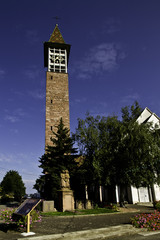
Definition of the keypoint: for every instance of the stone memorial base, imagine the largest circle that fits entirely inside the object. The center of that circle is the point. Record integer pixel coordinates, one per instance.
(27, 234)
(48, 206)
(66, 200)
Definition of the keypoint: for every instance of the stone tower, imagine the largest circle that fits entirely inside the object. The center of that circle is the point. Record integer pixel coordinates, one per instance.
(56, 56)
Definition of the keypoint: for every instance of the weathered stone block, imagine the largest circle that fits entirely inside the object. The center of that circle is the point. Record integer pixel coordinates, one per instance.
(79, 205)
(66, 200)
(88, 204)
(48, 206)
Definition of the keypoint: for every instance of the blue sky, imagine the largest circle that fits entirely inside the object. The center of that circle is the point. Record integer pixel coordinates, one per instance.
(114, 60)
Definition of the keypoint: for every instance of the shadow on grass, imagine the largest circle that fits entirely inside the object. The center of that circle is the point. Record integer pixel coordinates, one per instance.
(13, 204)
(4, 227)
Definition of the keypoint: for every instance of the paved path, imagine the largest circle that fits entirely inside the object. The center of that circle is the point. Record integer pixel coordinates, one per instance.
(87, 224)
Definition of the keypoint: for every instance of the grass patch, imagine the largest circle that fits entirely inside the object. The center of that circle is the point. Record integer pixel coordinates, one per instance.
(80, 212)
(95, 211)
(57, 213)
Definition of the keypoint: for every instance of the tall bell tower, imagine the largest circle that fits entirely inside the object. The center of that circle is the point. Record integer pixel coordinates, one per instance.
(56, 56)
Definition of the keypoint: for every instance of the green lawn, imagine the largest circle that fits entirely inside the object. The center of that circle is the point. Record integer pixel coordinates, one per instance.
(80, 212)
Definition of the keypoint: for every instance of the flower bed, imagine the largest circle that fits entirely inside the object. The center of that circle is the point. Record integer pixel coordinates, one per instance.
(150, 221)
(8, 216)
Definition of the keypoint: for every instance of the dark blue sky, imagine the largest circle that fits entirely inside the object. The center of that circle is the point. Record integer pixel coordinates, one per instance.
(114, 60)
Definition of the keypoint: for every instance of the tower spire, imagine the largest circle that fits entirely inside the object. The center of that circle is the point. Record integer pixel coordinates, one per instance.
(56, 36)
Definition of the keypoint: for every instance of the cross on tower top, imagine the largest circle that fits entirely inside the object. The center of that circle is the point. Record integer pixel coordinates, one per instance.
(56, 18)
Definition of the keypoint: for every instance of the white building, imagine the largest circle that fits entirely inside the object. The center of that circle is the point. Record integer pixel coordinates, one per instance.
(145, 194)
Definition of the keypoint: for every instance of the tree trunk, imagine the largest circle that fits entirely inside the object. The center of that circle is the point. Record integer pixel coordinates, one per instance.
(153, 194)
(122, 195)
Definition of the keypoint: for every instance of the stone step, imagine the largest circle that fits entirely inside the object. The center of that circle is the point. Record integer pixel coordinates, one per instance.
(101, 233)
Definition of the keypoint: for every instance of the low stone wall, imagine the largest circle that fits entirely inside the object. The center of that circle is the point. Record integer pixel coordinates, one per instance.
(48, 206)
(84, 204)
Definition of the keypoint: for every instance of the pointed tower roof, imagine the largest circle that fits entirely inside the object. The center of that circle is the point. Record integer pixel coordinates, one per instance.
(56, 36)
(56, 41)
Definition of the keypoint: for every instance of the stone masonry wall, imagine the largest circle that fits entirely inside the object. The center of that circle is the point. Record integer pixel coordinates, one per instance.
(57, 103)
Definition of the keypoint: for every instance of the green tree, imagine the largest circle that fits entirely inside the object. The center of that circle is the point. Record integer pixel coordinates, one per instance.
(109, 135)
(58, 157)
(87, 139)
(13, 185)
(138, 153)
(118, 152)
(94, 136)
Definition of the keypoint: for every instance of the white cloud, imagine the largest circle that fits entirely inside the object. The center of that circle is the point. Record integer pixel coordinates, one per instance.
(105, 57)
(24, 163)
(15, 116)
(107, 28)
(32, 73)
(18, 93)
(15, 131)
(38, 94)
(31, 35)
(129, 99)
(78, 101)
(18, 161)
(29, 186)
(11, 119)
(19, 112)
(2, 73)
(13, 159)
(111, 26)
(5, 158)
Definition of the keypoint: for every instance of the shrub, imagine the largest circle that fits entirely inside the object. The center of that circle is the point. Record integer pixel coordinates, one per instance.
(21, 221)
(150, 221)
(111, 206)
(7, 198)
(157, 205)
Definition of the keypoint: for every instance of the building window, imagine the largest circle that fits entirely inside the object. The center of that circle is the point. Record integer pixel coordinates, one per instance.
(51, 101)
(51, 128)
(57, 60)
(51, 77)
